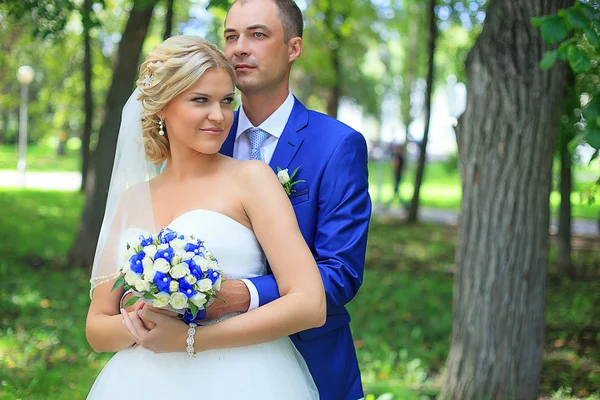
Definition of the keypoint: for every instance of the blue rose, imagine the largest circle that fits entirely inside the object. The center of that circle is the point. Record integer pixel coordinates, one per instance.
(135, 262)
(213, 275)
(146, 241)
(163, 281)
(167, 235)
(167, 254)
(186, 288)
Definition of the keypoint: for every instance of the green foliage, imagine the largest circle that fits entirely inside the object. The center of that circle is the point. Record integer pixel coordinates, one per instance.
(576, 31)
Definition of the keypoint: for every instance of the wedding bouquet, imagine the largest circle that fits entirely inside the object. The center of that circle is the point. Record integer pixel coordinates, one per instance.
(172, 271)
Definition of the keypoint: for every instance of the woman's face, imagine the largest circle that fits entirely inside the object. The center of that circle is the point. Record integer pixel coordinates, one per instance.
(200, 117)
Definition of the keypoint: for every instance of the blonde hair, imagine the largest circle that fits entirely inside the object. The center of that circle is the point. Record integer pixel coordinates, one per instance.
(171, 68)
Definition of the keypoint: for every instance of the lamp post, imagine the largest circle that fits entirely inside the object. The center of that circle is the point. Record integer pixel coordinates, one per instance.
(25, 75)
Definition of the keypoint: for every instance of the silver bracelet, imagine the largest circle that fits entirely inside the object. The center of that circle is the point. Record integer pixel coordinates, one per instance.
(190, 341)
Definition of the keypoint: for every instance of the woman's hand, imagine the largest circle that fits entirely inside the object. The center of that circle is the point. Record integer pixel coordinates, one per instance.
(168, 334)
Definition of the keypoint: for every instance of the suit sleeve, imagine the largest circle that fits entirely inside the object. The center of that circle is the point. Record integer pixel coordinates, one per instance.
(344, 210)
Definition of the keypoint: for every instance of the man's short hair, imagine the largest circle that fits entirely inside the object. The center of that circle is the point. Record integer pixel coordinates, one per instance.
(289, 15)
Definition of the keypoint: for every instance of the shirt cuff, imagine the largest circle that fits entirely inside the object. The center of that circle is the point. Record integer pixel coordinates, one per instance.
(253, 294)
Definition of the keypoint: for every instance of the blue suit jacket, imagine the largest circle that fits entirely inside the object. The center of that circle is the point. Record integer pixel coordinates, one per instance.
(333, 209)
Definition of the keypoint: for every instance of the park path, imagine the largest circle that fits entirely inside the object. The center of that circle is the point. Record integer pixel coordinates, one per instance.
(68, 181)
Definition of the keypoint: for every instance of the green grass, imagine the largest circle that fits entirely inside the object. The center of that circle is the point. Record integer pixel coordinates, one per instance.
(41, 159)
(441, 188)
(402, 317)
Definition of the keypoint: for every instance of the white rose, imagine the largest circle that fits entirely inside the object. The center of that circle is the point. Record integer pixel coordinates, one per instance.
(149, 274)
(142, 286)
(175, 260)
(191, 279)
(178, 300)
(180, 270)
(178, 245)
(174, 286)
(187, 256)
(147, 263)
(283, 176)
(201, 262)
(163, 246)
(199, 299)
(131, 278)
(162, 299)
(217, 285)
(129, 253)
(204, 285)
(150, 250)
(126, 267)
(162, 265)
(212, 264)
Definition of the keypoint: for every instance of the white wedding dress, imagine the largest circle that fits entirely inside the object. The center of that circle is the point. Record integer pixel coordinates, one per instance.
(273, 370)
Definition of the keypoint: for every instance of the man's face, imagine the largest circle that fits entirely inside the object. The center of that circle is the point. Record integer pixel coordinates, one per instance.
(254, 43)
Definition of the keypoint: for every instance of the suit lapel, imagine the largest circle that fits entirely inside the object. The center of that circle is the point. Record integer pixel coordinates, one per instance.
(290, 141)
(227, 147)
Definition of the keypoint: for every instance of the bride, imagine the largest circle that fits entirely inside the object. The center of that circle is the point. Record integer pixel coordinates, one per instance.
(181, 112)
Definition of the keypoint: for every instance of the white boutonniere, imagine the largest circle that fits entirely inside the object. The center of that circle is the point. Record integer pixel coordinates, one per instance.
(286, 179)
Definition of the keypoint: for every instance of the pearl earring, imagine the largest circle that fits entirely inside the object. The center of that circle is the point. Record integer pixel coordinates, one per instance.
(161, 131)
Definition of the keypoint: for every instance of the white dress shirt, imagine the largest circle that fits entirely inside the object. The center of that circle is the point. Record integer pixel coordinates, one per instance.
(274, 125)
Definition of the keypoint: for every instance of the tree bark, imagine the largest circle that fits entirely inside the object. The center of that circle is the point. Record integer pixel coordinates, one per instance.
(565, 262)
(88, 94)
(413, 210)
(169, 20)
(506, 143)
(566, 134)
(125, 71)
(409, 73)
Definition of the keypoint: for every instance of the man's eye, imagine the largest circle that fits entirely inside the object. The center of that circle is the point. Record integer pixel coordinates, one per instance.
(259, 34)
(230, 38)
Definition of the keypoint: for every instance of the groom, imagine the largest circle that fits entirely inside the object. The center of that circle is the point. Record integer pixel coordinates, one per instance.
(262, 39)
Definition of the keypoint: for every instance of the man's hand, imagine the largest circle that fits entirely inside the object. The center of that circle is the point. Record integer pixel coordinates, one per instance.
(234, 296)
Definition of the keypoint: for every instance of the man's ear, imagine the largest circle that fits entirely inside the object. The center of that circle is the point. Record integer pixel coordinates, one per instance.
(294, 48)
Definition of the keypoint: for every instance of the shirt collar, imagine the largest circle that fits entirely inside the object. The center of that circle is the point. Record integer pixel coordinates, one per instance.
(276, 122)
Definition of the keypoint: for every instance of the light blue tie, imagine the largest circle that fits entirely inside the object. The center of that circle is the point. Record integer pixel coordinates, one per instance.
(257, 137)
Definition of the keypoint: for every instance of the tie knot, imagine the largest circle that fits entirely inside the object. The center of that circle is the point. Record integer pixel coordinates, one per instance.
(257, 137)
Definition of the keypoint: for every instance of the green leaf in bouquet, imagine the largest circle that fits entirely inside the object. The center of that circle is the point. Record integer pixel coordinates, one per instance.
(588, 11)
(131, 301)
(118, 283)
(194, 309)
(149, 296)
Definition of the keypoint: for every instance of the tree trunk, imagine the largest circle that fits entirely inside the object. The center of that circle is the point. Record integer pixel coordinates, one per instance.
(414, 206)
(169, 20)
(566, 134)
(565, 262)
(409, 73)
(506, 138)
(125, 71)
(336, 91)
(88, 94)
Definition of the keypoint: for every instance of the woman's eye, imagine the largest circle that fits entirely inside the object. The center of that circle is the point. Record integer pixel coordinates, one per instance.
(200, 100)
(228, 100)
